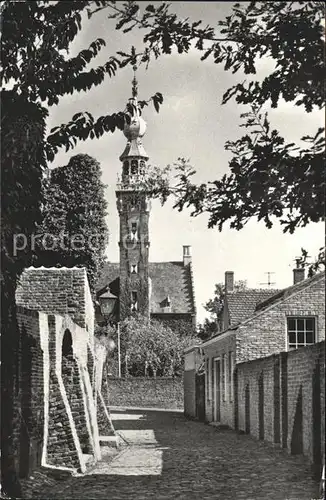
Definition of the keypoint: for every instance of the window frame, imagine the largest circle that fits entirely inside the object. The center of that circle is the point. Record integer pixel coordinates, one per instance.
(224, 377)
(230, 375)
(210, 388)
(297, 318)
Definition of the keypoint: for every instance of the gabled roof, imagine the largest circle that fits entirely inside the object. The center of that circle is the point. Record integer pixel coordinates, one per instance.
(168, 279)
(287, 292)
(242, 305)
(274, 298)
(56, 290)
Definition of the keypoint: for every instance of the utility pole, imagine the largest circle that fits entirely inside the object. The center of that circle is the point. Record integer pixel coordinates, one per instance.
(119, 351)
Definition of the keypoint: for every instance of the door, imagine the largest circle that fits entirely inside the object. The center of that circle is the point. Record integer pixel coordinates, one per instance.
(217, 390)
(200, 397)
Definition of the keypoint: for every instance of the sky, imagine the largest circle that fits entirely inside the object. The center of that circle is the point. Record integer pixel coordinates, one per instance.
(193, 124)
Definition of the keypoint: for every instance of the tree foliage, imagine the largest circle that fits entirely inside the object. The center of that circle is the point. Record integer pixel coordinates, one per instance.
(214, 307)
(36, 71)
(269, 178)
(152, 348)
(36, 39)
(73, 229)
(22, 163)
(318, 263)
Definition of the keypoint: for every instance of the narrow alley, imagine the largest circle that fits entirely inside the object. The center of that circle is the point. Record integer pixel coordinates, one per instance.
(166, 456)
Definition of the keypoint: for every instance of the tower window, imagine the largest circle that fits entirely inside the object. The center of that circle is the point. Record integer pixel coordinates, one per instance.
(125, 168)
(142, 167)
(134, 231)
(134, 268)
(134, 167)
(134, 305)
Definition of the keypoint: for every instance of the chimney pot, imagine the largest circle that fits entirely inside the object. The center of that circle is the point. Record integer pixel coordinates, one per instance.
(298, 275)
(229, 281)
(186, 254)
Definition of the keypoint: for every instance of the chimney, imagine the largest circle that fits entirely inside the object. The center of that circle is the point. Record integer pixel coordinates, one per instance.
(186, 254)
(298, 273)
(229, 281)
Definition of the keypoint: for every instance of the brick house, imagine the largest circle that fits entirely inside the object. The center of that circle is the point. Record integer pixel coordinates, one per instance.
(171, 289)
(60, 412)
(259, 323)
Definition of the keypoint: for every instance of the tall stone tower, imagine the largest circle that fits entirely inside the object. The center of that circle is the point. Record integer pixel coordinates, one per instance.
(133, 206)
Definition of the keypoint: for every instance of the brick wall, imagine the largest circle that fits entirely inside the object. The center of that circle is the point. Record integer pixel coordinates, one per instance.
(256, 381)
(265, 334)
(146, 392)
(305, 383)
(71, 380)
(61, 449)
(217, 350)
(29, 409)
(55, 413)
(56, 291)
(280, 399)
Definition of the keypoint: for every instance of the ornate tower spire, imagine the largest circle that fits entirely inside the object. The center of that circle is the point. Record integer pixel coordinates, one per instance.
(134, 156)
(134, 207)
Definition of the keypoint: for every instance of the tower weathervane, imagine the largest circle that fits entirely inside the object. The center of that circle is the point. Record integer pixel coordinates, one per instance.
(134, 83)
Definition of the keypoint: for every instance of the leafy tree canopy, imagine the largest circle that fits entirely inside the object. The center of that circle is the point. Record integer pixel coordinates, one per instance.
(74, 230)
(269, 177)
(36, 39)
(152, 348)
(215, 305)
(318, 263)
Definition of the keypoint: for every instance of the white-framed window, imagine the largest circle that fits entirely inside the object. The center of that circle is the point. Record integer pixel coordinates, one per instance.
(301, 331)
(230, 375)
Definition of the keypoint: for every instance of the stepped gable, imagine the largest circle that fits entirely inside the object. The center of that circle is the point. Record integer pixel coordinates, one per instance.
(168, 279)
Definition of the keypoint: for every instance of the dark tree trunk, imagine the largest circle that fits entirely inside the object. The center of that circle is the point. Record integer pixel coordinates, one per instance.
(9, 383)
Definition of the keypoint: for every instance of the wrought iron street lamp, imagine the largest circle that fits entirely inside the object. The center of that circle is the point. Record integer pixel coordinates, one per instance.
(109, 305)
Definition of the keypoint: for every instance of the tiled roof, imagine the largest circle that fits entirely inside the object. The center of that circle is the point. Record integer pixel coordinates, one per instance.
(243, 304)
(109, 274)
(286, 292)
(168, 279)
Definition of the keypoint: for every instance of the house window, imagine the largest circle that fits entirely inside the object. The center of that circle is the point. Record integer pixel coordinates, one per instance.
(301, 331)
(230, 377)
(224, 380)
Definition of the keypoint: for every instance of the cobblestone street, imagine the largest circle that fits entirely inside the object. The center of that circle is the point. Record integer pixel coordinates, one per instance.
(166, 456)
